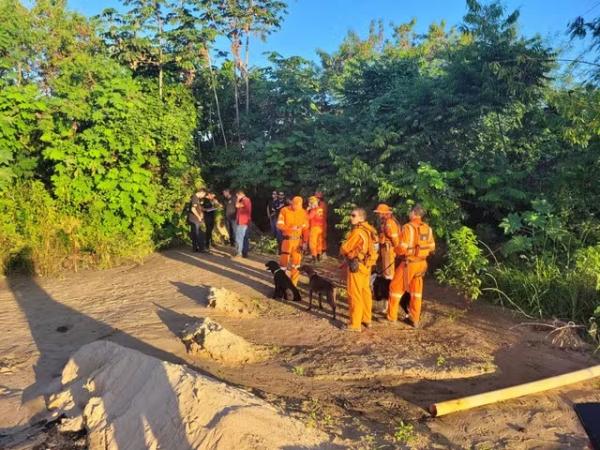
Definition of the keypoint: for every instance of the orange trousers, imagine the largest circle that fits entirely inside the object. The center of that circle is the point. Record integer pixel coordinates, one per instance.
(360, 301)
(291, 254)
(315, 241)
(408, 277)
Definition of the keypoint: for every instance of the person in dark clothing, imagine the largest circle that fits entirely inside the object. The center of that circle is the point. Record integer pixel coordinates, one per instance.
(274, 207)
(230, 215)
(195, 219)
(209, 208)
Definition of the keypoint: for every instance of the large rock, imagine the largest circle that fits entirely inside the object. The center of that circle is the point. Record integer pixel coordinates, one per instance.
(128, 401)
(231, 303)
(207, 337)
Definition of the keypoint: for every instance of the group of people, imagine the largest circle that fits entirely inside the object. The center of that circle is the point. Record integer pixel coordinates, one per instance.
(238, 216)
(392, 252)
(396, 253)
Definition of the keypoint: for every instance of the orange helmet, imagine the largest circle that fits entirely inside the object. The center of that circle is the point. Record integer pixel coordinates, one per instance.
(382, 208)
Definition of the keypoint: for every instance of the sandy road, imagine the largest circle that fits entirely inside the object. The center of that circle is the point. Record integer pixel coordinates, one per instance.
(357, 387)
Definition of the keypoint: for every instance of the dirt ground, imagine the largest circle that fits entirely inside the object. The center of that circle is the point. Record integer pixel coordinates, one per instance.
(371, 389)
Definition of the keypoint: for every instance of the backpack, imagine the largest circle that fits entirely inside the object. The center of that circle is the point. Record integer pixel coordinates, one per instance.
(423, 243)
(372, 254)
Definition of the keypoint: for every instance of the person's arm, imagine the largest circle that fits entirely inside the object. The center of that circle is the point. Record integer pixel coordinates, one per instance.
(393, 232)
(197, 211)
(402, 248)
(281, 223)
(352, 246)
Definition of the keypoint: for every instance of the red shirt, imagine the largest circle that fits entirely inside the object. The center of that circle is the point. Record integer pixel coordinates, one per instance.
(244, 212)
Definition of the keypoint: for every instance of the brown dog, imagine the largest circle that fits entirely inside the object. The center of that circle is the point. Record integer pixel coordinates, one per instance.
(319, 286)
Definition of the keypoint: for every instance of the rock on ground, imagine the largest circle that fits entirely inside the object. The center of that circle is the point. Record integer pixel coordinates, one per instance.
(231, 303)
(205, 336)
(128, 400)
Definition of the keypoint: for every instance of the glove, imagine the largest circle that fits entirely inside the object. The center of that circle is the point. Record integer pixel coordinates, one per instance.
(353, 265)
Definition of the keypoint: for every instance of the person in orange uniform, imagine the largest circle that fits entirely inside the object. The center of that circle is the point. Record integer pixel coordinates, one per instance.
(361, 254)
(293, 223)
(323, 206)
(316, 220)
(415, 246)
(389, 239)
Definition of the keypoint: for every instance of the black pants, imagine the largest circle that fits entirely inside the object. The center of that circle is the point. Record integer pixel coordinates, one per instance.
(210, 226)
(197, 237)
(231, 230)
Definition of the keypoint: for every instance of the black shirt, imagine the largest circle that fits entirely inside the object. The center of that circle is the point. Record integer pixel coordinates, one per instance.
(209, 209)
(194, 201)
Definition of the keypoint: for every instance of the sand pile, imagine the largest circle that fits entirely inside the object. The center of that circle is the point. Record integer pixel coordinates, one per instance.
(231, 303)
(127, 401)
(207, 337)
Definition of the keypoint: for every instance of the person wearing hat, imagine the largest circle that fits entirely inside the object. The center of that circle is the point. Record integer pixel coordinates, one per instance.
(416, 243)
(389, 239)
(316, 221)
(293, 223)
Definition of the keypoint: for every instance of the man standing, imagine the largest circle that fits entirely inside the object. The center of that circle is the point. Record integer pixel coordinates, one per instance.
(389, 239)
(209, 208)
(360, 253)
(274, 207)
(293, 223)
(242, 223)
(195, 219)
(316, 222)
(415, 246)
(230, 215)
(323, 206)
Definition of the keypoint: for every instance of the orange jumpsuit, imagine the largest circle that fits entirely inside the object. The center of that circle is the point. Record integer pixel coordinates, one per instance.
(323, 206)
(389, 239)
(293, 223)
(360, 301)
(415, 245)
(316, 221)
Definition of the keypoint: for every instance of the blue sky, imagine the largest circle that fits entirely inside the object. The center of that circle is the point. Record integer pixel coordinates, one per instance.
(312, 24)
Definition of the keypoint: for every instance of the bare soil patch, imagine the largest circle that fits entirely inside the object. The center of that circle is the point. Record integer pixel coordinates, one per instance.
(355, 388)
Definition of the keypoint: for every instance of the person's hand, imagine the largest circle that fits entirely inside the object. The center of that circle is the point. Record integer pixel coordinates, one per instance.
(304, 247)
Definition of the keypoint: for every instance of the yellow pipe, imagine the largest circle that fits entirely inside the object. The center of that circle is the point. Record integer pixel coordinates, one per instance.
(459, 404)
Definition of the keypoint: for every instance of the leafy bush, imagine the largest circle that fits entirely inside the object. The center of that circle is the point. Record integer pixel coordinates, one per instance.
(466, 264)
(541, 288)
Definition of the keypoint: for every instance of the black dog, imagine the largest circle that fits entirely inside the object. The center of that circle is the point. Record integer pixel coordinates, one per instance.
(284, 288)
(319, 285)
(381, 288)
(381, 291)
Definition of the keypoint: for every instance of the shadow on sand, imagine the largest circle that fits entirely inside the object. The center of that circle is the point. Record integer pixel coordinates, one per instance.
(45, 316)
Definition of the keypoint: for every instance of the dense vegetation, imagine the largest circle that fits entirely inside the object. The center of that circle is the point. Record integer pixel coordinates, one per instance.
(105, 125)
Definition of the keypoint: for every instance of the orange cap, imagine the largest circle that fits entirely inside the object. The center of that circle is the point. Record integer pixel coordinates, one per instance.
(297, 201)
(382, 208)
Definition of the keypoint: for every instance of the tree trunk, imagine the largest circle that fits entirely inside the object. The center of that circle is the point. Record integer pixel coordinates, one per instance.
(247, 29)
(235, 51)
(216, 96)
(160, 53)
